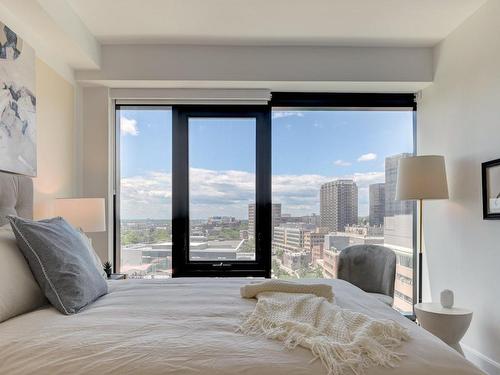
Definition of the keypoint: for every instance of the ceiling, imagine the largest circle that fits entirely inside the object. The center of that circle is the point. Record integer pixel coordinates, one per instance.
(86, 41)
(274, 22)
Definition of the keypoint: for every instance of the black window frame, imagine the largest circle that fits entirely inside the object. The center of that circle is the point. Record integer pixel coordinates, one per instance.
(182, 266)
(363, 101)
(116, 196)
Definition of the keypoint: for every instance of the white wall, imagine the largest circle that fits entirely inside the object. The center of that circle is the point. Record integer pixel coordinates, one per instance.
(95, 150)
(459, 116)
(55, 116)
(271, 67)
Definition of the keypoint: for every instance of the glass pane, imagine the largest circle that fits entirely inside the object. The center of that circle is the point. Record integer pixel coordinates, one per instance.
(222, 188)
(334, 180)
(145, 191)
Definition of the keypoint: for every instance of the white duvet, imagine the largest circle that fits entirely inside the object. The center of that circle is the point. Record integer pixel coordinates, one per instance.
(187, 326)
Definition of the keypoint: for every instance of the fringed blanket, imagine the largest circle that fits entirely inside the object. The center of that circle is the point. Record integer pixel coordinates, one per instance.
(341, 339)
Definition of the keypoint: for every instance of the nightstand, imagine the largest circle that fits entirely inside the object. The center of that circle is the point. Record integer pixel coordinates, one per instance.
(117, 276)
(449, 325)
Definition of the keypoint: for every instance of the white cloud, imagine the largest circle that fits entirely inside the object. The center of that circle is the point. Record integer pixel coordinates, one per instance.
(229, 192)
(368, 178)
(146, 197)
(367, 157)
(128, 126)
(342, 163)
(282, 114)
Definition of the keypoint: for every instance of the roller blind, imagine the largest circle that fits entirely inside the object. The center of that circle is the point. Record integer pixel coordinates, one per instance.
(191, 96)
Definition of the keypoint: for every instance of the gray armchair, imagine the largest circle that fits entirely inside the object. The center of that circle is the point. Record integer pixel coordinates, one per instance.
(371, 268)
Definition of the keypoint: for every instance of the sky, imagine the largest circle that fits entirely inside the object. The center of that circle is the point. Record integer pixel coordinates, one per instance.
(309, 147)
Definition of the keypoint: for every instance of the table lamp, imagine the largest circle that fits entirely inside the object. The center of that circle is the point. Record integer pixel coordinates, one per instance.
(87, 214)
(420, 178)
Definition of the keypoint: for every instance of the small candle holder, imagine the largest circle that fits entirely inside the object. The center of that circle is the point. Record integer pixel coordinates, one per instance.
(447, 298)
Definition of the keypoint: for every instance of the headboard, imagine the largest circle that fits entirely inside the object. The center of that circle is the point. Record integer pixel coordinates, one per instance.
(16, 196)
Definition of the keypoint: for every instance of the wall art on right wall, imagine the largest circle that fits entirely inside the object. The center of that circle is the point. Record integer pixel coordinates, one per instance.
(491, 189)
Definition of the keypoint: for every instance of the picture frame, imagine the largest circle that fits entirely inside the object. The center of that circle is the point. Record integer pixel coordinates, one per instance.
(490, 173)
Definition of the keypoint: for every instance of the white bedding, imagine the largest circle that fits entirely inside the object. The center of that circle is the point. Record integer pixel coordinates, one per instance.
(187, 326)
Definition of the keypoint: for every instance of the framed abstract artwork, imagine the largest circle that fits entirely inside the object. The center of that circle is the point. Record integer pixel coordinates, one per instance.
(491, 189)
(17, 104)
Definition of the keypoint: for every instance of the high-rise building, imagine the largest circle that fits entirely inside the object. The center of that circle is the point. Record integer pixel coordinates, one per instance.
(329, 263)
(398, 235)
(289, 237)
(316, 254)
(314, 238)
(251, 220)
(338, 204)
(377, 204)
(393, 207)
(276, 217)
(276, 214)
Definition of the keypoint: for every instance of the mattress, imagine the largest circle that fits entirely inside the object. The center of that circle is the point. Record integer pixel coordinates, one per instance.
(187, 326)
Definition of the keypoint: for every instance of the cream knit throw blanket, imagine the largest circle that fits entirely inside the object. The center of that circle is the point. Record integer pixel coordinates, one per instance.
(341, 339)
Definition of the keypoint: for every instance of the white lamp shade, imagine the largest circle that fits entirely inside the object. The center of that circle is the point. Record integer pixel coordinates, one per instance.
(85, 213)
(422, 177)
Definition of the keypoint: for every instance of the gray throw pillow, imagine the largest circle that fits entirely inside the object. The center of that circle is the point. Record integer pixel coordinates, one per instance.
(60, 262)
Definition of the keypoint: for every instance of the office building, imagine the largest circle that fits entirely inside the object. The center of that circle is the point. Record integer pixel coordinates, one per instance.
(276, 217)
(393, 207)
(377, 204)
(338, 204)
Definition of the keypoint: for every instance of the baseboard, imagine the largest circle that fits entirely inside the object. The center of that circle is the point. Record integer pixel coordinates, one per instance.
(480, 360)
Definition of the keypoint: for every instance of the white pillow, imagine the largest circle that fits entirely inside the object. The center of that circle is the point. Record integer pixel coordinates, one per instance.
(19, 292)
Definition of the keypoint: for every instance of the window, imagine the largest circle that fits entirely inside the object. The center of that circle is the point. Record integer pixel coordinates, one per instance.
(221, 159)
(195, 187)
(221, 188)
(334, 183)
(144, 184)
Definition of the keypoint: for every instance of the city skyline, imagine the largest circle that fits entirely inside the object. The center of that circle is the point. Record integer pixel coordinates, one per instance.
(302, 246)
(297, 176)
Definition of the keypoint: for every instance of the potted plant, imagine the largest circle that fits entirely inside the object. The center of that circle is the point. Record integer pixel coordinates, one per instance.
(108, 268)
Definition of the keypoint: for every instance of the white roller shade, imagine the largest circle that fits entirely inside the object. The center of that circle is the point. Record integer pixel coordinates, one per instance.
(191, 96)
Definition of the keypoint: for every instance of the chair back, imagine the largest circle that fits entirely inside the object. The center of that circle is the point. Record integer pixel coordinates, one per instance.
(369, 267)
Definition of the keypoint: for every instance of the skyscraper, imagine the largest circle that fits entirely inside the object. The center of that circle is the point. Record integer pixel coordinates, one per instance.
(276, 214)
(393, 207)
(338, 204)
(377, 204)
(276, 217)
(398, 234)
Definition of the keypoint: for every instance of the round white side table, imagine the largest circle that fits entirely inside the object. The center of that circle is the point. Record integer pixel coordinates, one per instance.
(449, 325)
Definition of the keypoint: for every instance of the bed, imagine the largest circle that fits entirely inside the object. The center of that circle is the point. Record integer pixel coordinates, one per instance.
(183, 326)
(187, 326)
